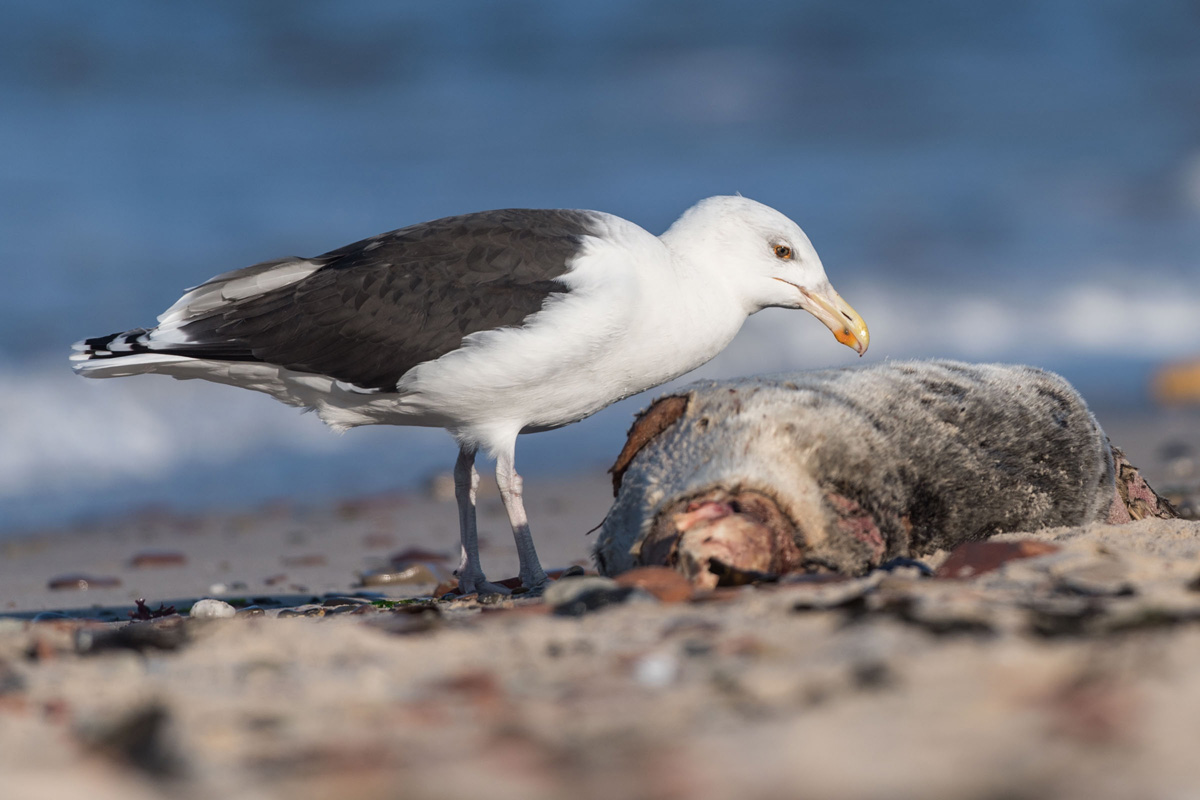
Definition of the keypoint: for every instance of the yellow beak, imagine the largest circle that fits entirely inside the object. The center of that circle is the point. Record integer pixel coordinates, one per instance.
(847, 326)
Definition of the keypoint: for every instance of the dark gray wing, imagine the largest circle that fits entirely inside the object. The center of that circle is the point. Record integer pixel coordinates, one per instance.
(377, 308)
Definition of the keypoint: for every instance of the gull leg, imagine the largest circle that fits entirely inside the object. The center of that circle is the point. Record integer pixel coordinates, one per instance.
(466, 484)
(533, 577)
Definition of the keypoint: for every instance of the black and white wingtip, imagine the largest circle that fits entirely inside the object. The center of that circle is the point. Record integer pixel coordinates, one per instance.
(112, 346)
(117, 354)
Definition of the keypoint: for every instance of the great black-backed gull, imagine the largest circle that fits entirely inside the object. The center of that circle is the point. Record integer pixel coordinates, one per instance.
(488, 325)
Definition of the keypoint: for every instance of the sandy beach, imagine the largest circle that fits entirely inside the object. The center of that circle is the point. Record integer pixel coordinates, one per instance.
(1061, 668)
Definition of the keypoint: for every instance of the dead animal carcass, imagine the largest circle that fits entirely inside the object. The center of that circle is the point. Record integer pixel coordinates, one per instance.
(842, 470)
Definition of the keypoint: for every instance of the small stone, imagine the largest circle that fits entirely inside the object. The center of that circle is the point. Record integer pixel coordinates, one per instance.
(158, 558)
(567, 589)
(405, 624)
(168, 633)
(413, 555)
(835, 593)
(657, 670)
(251, 611)
(211, 608)
(1108, 578)
(82, 582)
(139, 738)
(416, 573)
(574, 597)
(569, 572)
(341, 600)
(363, 609)
(664, 583)
(971, 559)
(306, 560)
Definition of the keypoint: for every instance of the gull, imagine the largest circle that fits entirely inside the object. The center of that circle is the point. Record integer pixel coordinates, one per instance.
(489, 325)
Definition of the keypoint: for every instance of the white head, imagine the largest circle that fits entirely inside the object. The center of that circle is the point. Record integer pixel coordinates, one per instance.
(768, 260)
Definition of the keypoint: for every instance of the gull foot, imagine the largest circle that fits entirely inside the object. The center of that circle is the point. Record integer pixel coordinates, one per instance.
(480, 585)
(534, 585)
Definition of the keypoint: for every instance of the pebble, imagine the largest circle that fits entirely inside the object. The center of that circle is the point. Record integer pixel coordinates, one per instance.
(340, 600)
(251, 611)
(158, 558)
(567, 589)
(568, 572)
(306, 560)
(416, 573)
(82, 582)
(657, 670)
(666, 584)
(1098, 579)
(831, 594)
(405, 624)
(579, 595)
(363, 609)
(975, 558)
(168, 633)
(211, 608)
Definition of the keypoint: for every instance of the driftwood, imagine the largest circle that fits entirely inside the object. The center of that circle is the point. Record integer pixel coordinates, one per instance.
(844, 470)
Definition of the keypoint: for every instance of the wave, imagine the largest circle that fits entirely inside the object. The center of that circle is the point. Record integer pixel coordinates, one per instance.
(73, 445)
(1158, 320)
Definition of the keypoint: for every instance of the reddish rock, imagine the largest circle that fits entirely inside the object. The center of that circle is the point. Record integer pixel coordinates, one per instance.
(83, 582)
(446, 587)
(158, 558)
(975, 558)
(664, 583)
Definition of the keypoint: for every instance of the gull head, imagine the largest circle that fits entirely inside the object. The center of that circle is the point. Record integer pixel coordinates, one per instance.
(764, 259)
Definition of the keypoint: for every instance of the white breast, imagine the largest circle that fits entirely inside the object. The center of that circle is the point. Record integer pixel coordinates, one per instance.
(632, 320)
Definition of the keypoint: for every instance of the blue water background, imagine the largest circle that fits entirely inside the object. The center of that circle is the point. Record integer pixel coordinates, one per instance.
(1012, 181)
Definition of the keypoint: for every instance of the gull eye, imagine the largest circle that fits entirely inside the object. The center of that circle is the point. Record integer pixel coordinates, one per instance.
(783, 251)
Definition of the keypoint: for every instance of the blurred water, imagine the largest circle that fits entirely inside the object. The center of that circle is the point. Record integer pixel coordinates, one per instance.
(1005, 181)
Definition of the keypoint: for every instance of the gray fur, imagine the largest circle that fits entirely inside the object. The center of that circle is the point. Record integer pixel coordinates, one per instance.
(936, 453)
